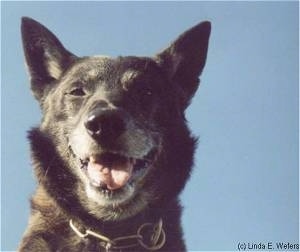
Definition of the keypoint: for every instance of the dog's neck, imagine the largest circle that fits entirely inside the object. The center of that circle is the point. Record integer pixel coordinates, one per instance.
(150, 236)
(120, 227)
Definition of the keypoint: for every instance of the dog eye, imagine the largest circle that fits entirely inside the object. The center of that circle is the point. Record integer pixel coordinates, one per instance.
(148, 92)
(78, 91)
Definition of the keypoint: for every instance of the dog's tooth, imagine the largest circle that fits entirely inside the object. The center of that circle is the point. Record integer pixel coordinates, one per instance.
(132, 160)
(107, 194)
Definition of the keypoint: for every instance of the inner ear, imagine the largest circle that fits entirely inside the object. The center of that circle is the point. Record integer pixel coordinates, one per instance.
(45, 55)
(184, 59)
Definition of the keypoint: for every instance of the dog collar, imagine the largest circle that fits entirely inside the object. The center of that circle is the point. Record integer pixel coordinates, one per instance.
(150, 236)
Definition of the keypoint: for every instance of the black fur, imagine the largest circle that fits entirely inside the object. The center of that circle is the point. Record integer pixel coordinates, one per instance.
(149, 97)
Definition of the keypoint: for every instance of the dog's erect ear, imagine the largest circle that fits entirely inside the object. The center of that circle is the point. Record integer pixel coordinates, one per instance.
(185, 58)
(46, 57)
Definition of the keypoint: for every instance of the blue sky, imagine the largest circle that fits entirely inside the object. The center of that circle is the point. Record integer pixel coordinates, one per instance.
(245, 185)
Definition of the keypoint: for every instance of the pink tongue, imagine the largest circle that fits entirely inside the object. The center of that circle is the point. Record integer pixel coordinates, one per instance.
(113, 177)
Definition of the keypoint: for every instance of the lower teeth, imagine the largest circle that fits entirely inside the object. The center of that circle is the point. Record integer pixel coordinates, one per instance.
(107, 193)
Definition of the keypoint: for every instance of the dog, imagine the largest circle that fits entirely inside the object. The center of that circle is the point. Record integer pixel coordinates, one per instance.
(113, 150)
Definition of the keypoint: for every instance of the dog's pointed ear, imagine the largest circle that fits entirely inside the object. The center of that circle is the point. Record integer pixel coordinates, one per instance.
(45, 56)
(184, 59)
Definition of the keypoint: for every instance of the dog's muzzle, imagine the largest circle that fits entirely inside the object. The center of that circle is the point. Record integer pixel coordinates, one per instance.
(110, 163)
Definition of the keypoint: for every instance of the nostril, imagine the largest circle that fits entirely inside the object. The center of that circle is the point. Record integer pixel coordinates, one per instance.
(93, 125)
(107, 125)
(113, 126)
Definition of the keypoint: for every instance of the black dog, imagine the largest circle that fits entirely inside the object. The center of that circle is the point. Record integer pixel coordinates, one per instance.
(113, 150)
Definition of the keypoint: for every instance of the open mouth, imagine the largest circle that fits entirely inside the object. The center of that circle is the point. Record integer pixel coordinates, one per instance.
(109, 172)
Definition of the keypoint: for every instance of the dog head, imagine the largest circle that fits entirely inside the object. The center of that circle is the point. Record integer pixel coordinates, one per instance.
(116, 125)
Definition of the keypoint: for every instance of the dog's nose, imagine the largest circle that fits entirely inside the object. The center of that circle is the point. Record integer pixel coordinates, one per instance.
(105, 124)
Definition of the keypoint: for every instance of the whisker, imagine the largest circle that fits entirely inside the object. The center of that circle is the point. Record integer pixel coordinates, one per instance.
(51, 163)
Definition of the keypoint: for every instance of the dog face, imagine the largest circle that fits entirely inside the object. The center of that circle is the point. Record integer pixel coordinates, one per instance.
(116, 124)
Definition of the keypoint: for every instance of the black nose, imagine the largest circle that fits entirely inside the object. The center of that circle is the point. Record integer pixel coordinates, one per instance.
(105, 124)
